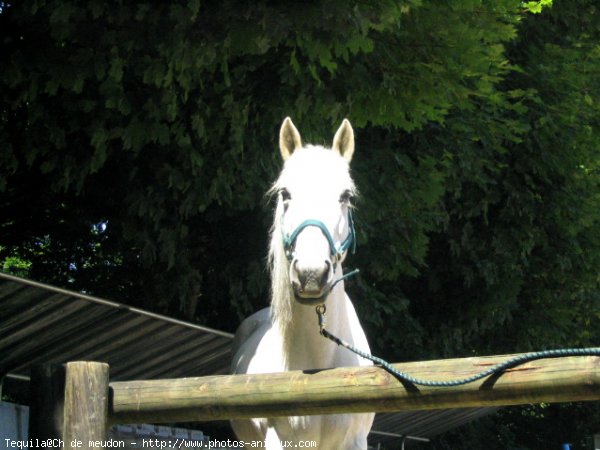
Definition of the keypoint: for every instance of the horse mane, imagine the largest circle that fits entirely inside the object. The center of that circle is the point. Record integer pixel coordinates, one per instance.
(281, 290)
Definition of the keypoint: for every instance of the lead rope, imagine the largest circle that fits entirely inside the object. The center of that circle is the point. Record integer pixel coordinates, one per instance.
(498, 368)
(343, 277)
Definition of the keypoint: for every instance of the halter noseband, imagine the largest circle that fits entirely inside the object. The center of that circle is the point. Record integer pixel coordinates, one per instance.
(289, 241)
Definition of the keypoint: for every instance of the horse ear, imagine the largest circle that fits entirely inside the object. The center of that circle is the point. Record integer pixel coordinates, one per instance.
(289, 139)
(343, 141)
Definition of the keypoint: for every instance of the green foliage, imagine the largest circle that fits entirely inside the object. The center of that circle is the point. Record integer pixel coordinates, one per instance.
(138, 141)
(15, 265)
(155, 116)
(537, 6)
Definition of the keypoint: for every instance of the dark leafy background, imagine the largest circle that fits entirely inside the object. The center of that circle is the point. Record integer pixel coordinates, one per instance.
(137, 140)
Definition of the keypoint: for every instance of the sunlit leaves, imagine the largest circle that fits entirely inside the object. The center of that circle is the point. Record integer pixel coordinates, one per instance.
(537, 6)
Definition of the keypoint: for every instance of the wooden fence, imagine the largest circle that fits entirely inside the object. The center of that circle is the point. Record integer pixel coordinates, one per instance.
(77, 402)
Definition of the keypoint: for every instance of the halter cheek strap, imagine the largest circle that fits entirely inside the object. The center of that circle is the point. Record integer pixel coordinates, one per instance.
(337, 251)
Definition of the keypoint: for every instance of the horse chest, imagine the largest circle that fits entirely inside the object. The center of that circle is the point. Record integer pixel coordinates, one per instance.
(327, 432)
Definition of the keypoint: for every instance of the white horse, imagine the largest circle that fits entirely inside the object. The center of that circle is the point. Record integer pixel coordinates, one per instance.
(310, 236)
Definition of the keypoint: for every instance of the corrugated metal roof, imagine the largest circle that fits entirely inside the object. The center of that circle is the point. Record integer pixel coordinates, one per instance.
(45, 324)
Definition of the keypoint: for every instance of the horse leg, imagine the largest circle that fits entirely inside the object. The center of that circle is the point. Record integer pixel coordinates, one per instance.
(360, 426)
(272, 441)
(360, 443)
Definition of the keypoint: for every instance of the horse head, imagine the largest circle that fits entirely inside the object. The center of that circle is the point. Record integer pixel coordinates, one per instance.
(314, 211)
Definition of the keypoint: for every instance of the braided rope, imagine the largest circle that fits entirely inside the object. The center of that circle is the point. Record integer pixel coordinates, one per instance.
(498, 368)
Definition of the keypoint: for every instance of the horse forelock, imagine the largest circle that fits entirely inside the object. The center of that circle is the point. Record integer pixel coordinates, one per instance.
(314, 167)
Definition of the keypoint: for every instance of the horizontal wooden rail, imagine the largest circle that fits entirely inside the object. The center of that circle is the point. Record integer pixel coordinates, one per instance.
(353, 389)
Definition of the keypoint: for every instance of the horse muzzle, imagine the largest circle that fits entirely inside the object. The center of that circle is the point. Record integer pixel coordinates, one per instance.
(311, 282)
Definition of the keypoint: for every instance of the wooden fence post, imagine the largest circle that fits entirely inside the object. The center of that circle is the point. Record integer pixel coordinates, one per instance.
(86, 404)
(70, 402)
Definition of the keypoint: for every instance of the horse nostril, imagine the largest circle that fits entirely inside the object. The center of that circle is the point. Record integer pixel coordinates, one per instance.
(327, 273)
(310, 279)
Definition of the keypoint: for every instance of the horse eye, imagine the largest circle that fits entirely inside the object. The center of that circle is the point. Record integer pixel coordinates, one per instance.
(285, 195)
(346, 196)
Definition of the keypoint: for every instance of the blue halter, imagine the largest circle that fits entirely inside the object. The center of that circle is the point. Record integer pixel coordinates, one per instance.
(337, 251)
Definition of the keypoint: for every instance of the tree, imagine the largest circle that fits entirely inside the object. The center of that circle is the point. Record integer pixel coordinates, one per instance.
(151, 120)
